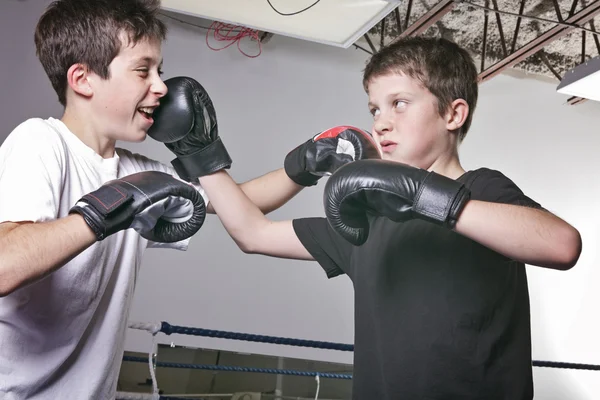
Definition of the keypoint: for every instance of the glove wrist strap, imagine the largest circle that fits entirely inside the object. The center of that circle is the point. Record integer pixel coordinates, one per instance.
(205, 161)
(441, 199)
(90, 219)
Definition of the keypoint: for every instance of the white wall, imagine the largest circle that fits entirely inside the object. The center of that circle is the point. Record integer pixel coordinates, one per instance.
(268, 105)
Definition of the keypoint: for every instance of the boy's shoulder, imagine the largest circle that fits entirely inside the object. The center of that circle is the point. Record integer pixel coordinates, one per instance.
(490, 184)
(35, 127)
(485, 176)
(36, 134)
(484, 173)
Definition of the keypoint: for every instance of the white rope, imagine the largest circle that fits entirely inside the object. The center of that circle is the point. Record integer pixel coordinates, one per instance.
(152, 364)
(318, 386)
(153, 328)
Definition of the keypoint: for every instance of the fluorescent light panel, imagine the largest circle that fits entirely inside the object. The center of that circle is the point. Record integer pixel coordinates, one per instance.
(582, 81)
(334, 22)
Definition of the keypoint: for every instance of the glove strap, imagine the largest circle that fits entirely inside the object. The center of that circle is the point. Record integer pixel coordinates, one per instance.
(96, 209)
(441, 199)
(205, 161)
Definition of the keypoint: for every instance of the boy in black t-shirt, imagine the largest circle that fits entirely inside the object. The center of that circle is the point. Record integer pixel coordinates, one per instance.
(441, 303)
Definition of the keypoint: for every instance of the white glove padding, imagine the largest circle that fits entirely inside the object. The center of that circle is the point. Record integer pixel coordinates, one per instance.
(172, 209)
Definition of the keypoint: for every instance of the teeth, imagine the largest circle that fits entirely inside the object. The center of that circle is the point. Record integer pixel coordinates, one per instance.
(147, 110)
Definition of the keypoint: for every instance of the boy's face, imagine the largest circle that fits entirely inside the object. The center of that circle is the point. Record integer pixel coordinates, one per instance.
(124, 102)
(406, 123)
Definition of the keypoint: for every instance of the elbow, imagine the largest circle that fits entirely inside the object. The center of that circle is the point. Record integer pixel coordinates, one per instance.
(251, 239)
(250, 247)
(247, 245)
(568, 249)
(10, 280)
(7, 285)
(5, 291)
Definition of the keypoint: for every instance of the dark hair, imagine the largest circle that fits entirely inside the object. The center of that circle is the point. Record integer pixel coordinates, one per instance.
(443, 67)
(89, 32)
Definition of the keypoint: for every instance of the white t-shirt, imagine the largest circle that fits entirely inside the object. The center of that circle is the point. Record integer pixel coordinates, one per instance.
(63, 336)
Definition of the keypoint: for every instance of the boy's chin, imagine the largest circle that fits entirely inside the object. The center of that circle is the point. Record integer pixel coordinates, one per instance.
(389, 157)
(134, 137)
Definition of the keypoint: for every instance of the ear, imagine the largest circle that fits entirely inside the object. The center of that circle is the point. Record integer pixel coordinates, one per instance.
(78, 79)
(457, 114)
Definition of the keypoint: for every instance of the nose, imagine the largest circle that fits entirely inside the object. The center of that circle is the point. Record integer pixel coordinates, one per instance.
(382, 125)
(159, 88)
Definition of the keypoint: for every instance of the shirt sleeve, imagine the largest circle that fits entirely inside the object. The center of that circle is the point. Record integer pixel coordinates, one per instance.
(326, 246)
(493, 186)
(31, 169)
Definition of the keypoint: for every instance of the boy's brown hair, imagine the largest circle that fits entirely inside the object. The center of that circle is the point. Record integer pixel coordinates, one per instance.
(89, 32)
(442, 67)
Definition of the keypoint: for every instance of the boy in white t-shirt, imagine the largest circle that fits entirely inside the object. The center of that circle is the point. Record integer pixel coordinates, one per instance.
(65, 289)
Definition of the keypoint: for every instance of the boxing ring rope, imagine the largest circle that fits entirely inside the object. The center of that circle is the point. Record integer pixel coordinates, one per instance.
(168, 329)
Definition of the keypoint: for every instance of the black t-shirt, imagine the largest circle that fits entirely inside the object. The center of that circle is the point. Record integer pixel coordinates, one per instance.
(437, 315)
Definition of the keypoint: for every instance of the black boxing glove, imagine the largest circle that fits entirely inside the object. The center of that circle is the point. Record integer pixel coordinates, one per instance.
(186, 122)
(393, 190)
(326, 152)
(150, 202)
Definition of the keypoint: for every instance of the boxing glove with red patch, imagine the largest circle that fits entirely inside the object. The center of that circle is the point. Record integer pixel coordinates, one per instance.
(326, 152)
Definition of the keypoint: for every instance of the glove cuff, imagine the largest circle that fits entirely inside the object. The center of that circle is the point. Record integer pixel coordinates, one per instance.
(91, 219)
(205, 161)
(441, 199)
(295, 167)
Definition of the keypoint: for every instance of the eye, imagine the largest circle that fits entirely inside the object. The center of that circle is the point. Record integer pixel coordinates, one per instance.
(400, 104)
(160, 72)
(374, 111)
(142, 71)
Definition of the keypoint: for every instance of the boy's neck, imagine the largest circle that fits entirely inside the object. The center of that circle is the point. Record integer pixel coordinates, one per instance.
(85, 130)
(449, 166)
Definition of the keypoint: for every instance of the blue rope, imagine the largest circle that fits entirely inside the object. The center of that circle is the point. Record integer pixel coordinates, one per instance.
(183, 330)
(211, 367)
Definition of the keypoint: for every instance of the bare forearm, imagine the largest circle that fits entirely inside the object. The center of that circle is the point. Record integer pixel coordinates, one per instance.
(247, 225)
(269, 192)
(241, 218)
(529, 235)
(30, 251)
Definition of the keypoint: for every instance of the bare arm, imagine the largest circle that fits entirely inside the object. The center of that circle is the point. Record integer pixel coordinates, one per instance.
(268, 192)
(30, 251)
(529, 235)
(247, 225)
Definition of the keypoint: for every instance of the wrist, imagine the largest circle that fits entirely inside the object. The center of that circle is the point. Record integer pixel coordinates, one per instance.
(83, 229)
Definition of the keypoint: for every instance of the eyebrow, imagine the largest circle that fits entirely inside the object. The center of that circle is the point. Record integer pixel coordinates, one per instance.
(392, 95)
(149, 60)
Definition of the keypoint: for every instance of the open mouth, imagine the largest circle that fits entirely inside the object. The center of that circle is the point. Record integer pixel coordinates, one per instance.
(146, 112)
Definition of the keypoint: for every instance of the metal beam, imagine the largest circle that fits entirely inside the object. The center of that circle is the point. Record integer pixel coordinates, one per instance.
(575, 100)
(558, 31)
(432, 16)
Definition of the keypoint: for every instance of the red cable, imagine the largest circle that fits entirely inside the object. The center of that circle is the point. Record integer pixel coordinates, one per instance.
(232, 34)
